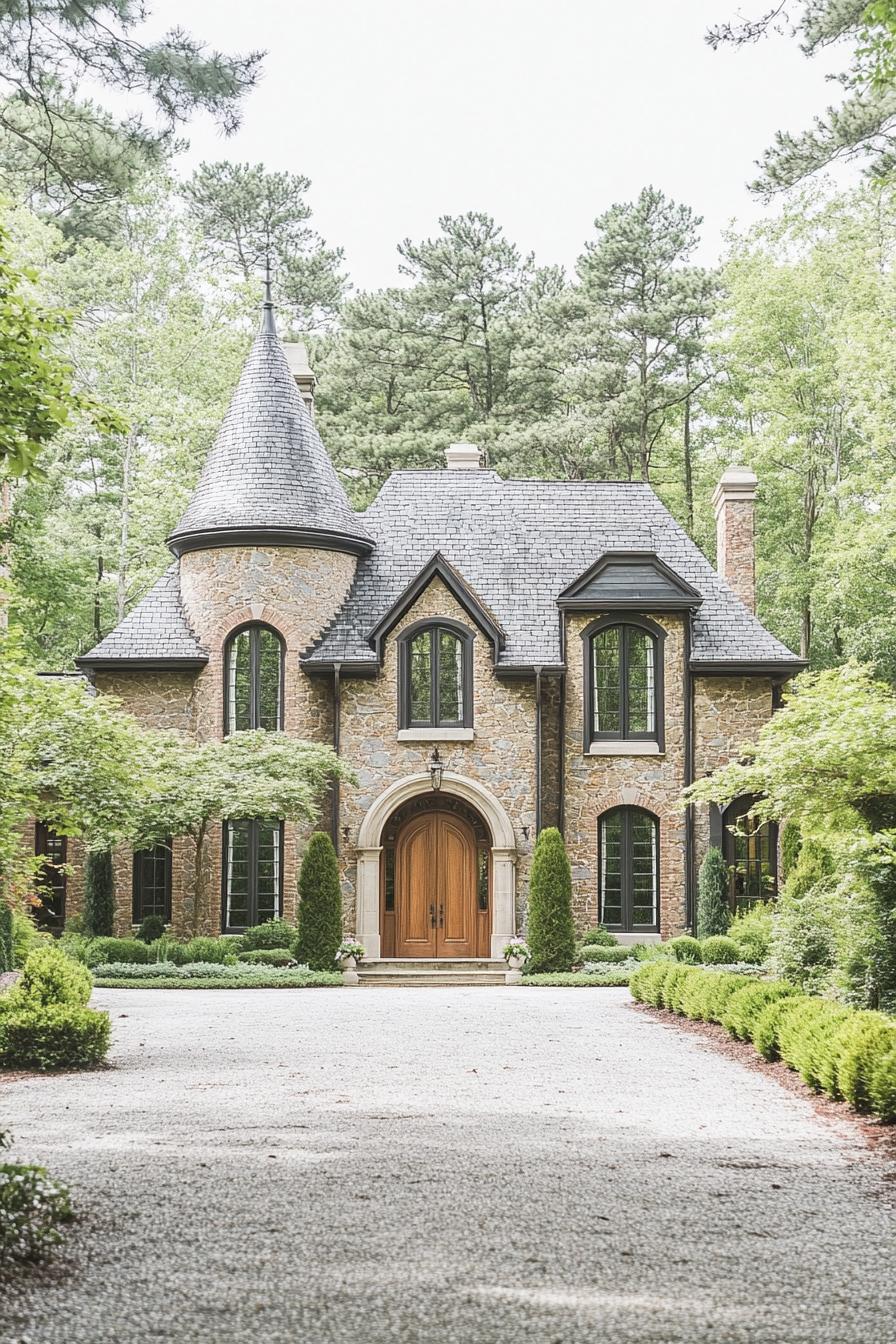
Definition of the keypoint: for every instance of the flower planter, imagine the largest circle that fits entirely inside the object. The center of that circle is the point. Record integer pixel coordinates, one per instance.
(348, 966)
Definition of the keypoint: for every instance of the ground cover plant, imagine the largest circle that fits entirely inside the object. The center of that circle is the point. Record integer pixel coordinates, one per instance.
(847, 1053)
(33, 1210)
(210, 975)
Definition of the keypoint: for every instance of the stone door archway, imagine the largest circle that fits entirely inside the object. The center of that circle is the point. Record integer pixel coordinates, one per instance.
(503, 854)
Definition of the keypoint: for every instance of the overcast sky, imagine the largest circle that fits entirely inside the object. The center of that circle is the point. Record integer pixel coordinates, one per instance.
(541, 114)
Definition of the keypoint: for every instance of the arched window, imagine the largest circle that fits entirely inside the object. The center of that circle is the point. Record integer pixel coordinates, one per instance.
(436, 676)
(253, 869)
(624, 681)
(751, 853)
(628, 863)
(253, 680)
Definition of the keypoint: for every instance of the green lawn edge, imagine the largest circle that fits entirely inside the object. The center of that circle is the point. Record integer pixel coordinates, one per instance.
(577, 980)
(166, 982)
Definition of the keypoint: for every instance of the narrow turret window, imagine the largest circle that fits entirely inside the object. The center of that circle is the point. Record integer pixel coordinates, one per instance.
(253, 680)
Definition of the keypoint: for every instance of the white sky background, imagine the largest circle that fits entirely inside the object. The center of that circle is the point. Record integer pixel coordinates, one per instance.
(542, 115)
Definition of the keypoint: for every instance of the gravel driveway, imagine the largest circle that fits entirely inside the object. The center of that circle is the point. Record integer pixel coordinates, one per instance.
(467, 1165)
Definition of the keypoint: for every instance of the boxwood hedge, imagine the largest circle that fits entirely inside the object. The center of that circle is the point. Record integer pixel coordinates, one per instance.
(847, 1053)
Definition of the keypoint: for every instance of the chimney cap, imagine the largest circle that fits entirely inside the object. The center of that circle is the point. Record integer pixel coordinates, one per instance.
(297, 359)
(463, 457)
(737, 483)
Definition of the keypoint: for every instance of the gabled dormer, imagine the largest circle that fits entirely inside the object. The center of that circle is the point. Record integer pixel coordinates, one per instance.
(629, 581)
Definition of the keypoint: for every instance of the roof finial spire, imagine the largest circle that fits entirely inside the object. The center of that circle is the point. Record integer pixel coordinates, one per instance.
(268, 325)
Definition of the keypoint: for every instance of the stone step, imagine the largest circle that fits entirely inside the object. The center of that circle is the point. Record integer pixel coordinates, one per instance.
(431, 971)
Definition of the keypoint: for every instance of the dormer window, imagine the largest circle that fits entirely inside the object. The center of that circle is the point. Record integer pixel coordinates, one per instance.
(253, 680)
(624, 682)
(436, 676)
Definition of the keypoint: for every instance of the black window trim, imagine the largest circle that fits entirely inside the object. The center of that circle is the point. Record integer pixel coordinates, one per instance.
(729, 817)
(57, 880)
(253, 824)
(137, 915)
(658, 634)
(405, 640)
(253, 672)
(628, 925)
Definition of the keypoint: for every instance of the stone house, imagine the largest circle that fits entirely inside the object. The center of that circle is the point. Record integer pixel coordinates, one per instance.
(490, 656)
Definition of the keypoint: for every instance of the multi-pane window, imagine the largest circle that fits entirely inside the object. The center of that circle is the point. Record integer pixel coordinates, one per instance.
(152, 883)
(253, 862)
(750, 849)
(436, 675)
(254, 680)
(629, 870)
(52, 848)
(624, 700)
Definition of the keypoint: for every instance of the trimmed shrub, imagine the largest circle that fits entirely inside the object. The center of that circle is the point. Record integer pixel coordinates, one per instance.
(210, 950)
(33, 1208)
(273, 933)
(743, 1009)
(551, 932)
(320, 905)
(672, 984)
(267, 956)
(871, 1039)
(613, 977)
(694, 994)
(61, 1036)
(803, 1033)
(600, 937)
(594, 952)
(26, 936)
(75, 946)
(713, 916)
(882, 1090)
(116, 949)
(719, 951)
(7, 960)
(686, 949)
(151, 930)
(50, 977)
(646, 983)
(99, 895)
(767, 1024)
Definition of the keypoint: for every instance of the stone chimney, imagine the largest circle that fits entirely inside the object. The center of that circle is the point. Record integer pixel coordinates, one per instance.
(734, 503)
(463, 457)
(297, 359)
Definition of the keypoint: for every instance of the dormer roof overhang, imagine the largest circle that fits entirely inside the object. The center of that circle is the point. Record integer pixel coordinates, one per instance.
(466, 598)
(628, 581)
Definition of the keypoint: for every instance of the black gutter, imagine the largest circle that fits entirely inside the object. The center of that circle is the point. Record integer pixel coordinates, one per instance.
(689, 752)
(561, 799)
(537, 751)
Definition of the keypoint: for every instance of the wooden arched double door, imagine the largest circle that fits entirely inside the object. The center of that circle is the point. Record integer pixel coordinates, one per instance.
(436, 890)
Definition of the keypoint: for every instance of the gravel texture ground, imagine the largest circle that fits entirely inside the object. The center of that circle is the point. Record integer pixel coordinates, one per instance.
(468, 1165)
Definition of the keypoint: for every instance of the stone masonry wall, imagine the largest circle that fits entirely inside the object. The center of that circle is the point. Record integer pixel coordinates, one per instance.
(594, 784)
(501, 755)
(728, 714)
(736, 547)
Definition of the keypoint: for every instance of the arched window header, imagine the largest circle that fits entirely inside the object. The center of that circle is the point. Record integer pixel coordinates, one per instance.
(254, 658)
(623, 676)
(435, 675)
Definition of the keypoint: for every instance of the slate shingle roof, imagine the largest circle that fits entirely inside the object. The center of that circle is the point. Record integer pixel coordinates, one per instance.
(268, 469)
(518, 544)
(157, 630)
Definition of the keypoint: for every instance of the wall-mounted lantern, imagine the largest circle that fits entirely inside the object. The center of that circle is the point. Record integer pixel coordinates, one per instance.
(436, 766)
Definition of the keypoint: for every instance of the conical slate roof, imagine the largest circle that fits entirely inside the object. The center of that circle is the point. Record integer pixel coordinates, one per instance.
(268, 477)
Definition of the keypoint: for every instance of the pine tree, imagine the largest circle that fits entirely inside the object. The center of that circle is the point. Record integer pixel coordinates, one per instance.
(552, 938)
(99, 895)
(713, 915)
(320, 905)
(7, 960)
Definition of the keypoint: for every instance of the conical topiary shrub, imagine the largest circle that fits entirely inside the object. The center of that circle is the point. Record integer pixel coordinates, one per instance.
(713, 915)
(320, 906)
(551, 934)
(99, 896)
(7, 956)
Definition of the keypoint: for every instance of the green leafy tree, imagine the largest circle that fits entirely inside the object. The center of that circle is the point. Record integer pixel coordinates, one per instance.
(7, 956)
(99, 895)
(863, 125)
(66, 146)
(713, 915)
(249, 217)
(247, 775)
(320, 905)
(551, 931)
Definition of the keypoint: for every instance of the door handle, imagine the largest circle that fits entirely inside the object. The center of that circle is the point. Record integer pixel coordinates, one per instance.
(432, 915)
(441, 915)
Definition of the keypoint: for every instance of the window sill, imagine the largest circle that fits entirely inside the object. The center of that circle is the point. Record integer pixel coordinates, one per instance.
(630, 939)
(621, 747)
(435, 734)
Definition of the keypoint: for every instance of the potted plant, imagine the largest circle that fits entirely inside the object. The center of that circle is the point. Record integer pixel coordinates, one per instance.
(349, 953)
(516, 953)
